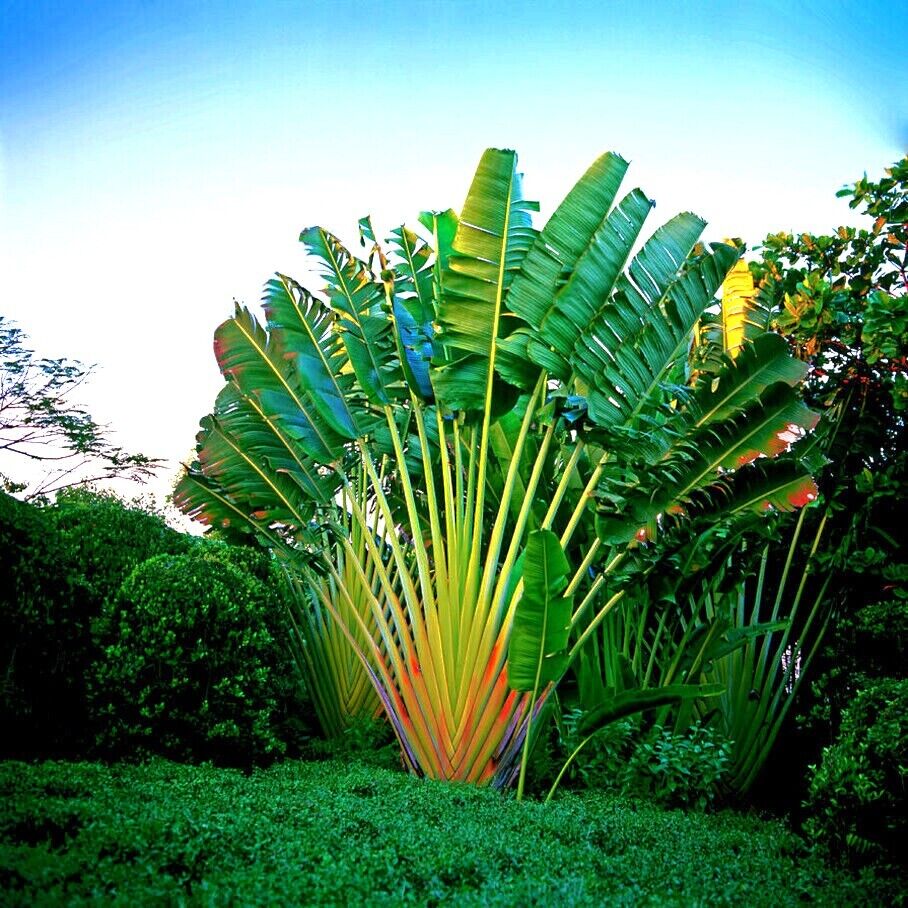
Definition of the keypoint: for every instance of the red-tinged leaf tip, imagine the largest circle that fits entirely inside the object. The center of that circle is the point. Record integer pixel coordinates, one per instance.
(804, 495)
(747, 458)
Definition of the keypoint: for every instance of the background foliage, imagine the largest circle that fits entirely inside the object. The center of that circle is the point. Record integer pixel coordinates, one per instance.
(62, 614)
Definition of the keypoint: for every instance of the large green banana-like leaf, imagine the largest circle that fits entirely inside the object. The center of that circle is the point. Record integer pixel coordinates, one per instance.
(568, 234)
(627, 352)
(301, 327)
(442, 227)
(200, 498)
(493, 235)
(758, 487)
(573, 304)
(267, 495)
(537, 652)
(592, 280)
(757, 366)
(250, 471)
(782, 486)
(248, 358)
(271, 445)
(365, 327)
(414, 307)
(766, 429)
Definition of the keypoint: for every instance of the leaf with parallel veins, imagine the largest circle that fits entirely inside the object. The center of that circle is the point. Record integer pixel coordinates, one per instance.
(364, 325)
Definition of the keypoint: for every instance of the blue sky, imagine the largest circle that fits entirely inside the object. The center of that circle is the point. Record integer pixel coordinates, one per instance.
(158, 159)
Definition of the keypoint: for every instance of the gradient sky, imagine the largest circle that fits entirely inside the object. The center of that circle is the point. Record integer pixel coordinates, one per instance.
(158, 159)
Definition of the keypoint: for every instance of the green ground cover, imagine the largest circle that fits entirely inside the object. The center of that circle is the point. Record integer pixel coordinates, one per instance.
(343, 833)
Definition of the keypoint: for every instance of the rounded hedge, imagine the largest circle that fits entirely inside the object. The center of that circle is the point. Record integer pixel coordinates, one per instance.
(193, 666)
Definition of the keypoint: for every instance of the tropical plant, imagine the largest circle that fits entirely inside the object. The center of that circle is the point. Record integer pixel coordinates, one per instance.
(698, 608)
(482, 424)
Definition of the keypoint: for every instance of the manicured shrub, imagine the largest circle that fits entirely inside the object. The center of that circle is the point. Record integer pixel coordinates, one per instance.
(338, 833)
(103, 538)
(192, 662)
(858, 797)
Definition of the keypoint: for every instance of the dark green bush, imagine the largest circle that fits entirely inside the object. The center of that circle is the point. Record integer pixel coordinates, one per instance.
(61, 562)
(858, 799)
(103, 538)
(338, 833)
(192, 663)
(44, 637)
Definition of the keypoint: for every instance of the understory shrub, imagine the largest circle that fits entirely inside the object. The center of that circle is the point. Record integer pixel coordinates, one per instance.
(366, 740)
(193, 664)
(674, 769)
(680, 770)
(858, 799)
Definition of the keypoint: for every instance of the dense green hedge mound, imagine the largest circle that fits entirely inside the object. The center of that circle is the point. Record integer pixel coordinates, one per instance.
(341, 834)
(193, 665)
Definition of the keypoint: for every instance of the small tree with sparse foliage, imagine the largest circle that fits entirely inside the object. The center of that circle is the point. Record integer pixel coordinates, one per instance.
(39, 421)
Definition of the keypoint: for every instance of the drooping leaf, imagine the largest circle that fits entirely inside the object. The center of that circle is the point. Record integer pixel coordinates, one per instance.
(262, 493)
(701, 460)
(629, 702)
(201, 499)
(738, 295)
(757, 366)
(537, 652)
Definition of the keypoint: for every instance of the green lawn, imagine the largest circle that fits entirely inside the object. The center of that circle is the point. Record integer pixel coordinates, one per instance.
(333, 833)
